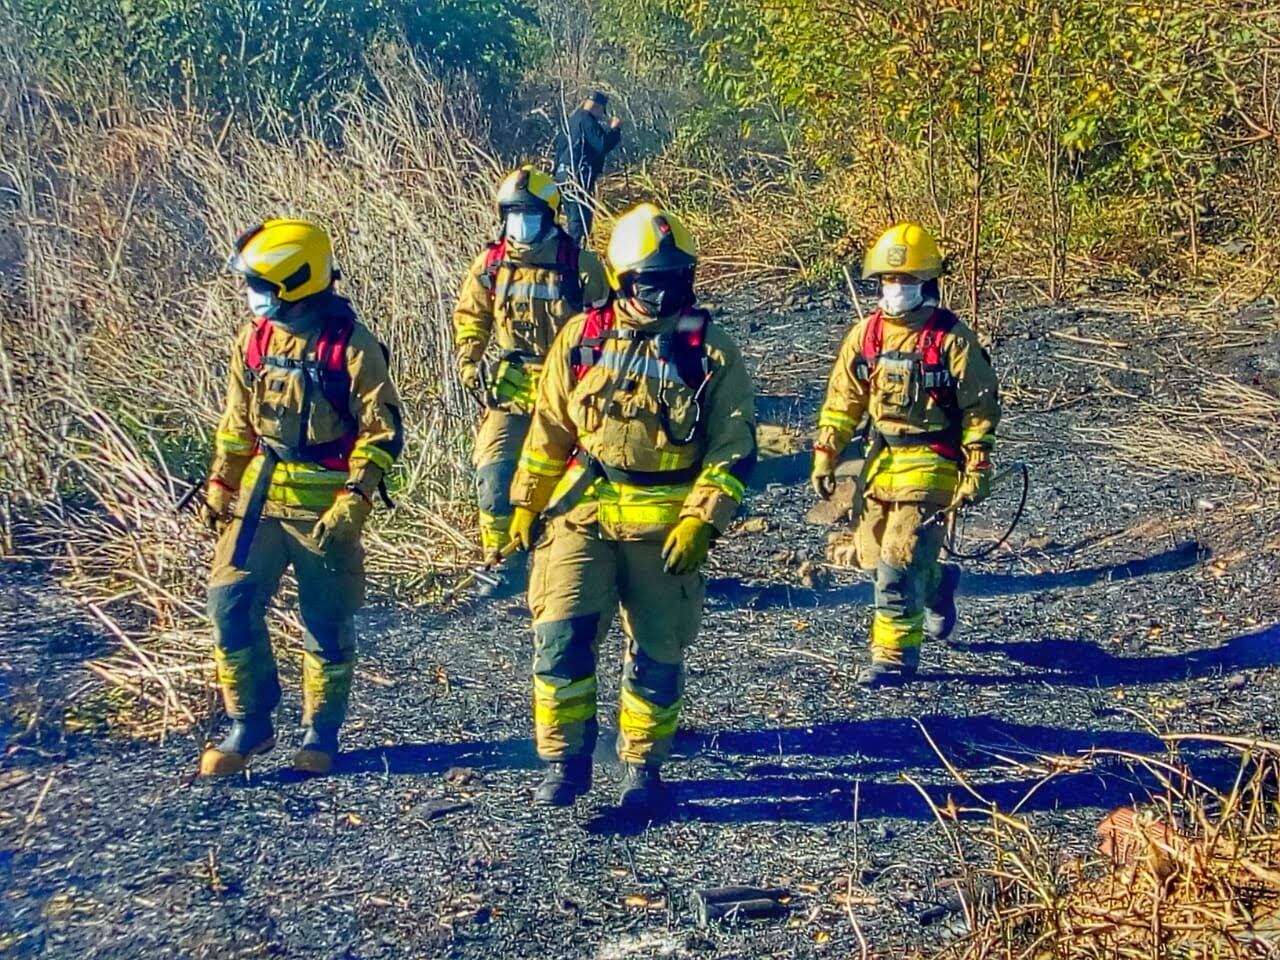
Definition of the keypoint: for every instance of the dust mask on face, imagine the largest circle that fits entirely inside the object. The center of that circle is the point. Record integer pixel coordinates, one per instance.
(899, 298)
(263, 304)
(523, 226)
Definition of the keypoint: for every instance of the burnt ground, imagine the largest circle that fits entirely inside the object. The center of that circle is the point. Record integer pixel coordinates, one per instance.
(1128, 599)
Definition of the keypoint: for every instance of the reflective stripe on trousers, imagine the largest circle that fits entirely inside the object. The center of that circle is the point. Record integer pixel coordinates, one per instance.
(578, 582)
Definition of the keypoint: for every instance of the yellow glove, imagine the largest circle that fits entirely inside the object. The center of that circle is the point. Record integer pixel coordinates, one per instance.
(823, 475)
(685, 549)
(215, 512)
(343, 521)
(521, 529)
(975, 480)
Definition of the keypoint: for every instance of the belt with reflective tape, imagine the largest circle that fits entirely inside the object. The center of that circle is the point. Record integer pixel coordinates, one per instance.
(593, 469)
(944, 442)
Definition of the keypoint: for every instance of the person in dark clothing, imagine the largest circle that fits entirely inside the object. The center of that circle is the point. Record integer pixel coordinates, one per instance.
(579, 157)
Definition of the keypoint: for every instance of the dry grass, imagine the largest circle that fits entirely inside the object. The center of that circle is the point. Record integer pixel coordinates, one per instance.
(1193, 873)
(113, 230)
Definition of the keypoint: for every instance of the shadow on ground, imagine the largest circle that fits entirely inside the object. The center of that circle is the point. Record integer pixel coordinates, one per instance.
(732, 591)
(808, 774)
(1084, 663)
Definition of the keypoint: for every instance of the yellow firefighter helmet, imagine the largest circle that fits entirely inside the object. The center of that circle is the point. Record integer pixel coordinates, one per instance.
(904, 248)
(646, 239)
(293, 259)
(529, 187)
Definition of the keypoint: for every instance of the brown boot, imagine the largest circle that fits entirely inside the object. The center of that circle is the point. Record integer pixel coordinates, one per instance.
(318, 751)
(880, 674)
(248, 738)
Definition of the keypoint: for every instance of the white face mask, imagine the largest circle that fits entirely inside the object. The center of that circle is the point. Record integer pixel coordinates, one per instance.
(523, 226)
(899, 298)
(262, 304)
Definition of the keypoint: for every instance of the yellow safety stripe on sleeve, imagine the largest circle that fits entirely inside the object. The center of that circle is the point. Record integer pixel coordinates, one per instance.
(470, 331)
(836, 420)
(538, 466)
(903, 469)
(304, 485)
(374, 454)
(896, 633)
(232, 443)
(978, 438)
(494, 531)
(556, 706)
(639, 719)
(724, 480)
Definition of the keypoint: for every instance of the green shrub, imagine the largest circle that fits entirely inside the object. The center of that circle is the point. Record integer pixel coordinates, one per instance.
(261, 59)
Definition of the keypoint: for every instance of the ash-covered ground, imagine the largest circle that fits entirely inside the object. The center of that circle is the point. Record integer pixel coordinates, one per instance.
(1128, 599)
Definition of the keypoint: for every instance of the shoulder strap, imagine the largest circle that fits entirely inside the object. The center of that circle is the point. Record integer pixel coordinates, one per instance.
(494, 255)
(331, 344)
(872, 344)
(259, 342)
(940, 323)
(586, 353)
(691, 360)
(934, 369)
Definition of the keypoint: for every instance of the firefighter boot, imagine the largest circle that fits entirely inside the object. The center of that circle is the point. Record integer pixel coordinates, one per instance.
(643, 793)
(940, 613)
(318, 751)
(565, 781)
(248, 737)
(883, 674)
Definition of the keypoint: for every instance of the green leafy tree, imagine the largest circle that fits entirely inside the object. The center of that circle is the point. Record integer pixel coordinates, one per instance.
(261, 58)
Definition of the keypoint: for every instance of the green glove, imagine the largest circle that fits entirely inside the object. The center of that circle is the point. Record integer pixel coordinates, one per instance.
(515, 384)
(343, 521)
(215, 512)
(521, 529)
(823, 475)
(975, 480)
(686, 547)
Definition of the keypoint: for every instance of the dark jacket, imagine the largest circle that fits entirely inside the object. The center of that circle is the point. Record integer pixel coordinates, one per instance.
(582, 147)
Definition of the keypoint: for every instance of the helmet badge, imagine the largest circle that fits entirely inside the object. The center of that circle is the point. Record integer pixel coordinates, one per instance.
(896, 255)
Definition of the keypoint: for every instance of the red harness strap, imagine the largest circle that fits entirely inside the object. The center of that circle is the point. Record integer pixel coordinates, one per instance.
(687, 346)
(566, 265)
(935, 373)
(328, 372)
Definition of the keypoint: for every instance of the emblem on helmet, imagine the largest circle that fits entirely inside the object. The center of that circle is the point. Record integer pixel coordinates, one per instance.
(896, 256)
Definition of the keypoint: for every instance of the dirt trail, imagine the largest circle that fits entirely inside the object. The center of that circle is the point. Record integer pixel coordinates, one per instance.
(1122, 598)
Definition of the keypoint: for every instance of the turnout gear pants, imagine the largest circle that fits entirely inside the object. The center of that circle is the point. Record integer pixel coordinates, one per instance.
(497, 453)
(579, 580)
(907, 574)
(330, 591)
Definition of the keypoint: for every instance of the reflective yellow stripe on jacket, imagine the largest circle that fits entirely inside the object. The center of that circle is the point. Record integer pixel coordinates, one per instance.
(627, 504)
(305, 485)
(912, 468)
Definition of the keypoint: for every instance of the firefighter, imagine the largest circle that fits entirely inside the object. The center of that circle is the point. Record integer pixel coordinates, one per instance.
(518, 293)
(579, 154)
(925, 383)
(310, 428)
(640, 446)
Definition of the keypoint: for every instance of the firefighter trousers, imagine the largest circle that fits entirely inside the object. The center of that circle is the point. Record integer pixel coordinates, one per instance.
(906, 571)
(330, 591)
(578, 581)
(497, 452)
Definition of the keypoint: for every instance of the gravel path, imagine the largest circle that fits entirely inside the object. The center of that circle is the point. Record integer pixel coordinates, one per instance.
(1125, 599)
